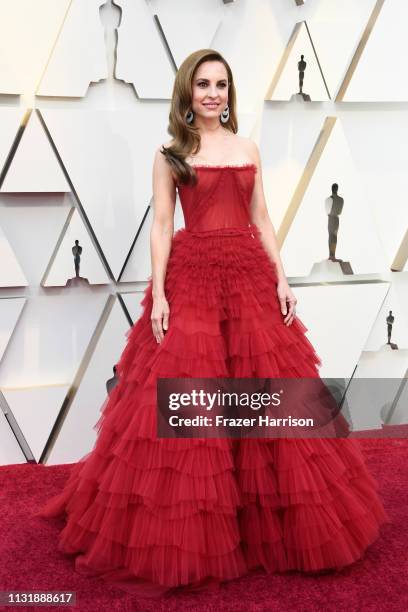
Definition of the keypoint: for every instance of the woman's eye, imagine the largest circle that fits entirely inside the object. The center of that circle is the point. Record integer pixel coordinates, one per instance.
(222, 85)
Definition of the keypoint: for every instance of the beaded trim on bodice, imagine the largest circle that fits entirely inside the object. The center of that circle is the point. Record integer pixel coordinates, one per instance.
(222, 166)
(203, 164)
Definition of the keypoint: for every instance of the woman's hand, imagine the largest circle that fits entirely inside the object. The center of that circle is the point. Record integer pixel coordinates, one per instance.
(160, 317)
(286, 297)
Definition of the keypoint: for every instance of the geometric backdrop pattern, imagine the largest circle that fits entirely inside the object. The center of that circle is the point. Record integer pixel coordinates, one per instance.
(84, 92)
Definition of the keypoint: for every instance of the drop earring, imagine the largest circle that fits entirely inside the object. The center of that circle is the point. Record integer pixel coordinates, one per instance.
(190, 116)
(225, 114)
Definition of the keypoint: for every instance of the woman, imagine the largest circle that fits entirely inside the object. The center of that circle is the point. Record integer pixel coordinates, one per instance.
(180, 512)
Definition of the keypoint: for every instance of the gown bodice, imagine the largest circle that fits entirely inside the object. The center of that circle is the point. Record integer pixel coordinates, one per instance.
(221, 197)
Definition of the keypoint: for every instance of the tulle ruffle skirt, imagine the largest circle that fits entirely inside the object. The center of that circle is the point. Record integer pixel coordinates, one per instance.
(175, 512)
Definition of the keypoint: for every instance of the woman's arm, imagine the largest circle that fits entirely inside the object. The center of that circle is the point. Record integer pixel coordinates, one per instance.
(161, 235)
(260, 217)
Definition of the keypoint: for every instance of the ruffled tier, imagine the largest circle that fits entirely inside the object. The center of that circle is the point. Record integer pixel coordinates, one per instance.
(179, 511)
(309, 505)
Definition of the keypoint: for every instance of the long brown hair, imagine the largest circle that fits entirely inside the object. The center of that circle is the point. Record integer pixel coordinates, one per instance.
(186, 136)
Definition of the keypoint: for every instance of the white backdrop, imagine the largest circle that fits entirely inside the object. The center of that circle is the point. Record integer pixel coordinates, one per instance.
(78, 131)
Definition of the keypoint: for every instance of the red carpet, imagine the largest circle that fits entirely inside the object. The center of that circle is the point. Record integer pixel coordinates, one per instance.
(30, 561)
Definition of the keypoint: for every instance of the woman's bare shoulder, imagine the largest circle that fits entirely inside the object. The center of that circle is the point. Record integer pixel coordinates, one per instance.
(170, 143)
(161, 161)
(247, 146)
(248, 142)
(160, 155)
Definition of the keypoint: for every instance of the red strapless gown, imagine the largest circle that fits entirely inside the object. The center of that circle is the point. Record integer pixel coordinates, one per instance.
(174, 512)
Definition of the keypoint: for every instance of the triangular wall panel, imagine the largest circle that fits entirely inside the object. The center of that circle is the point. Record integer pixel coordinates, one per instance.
(35, 167)
(62, 265)
(79, 55)
(377, 75)
(285, 83)
(358, 243)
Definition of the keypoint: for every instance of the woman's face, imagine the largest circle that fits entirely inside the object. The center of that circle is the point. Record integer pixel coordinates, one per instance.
(210, 89)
